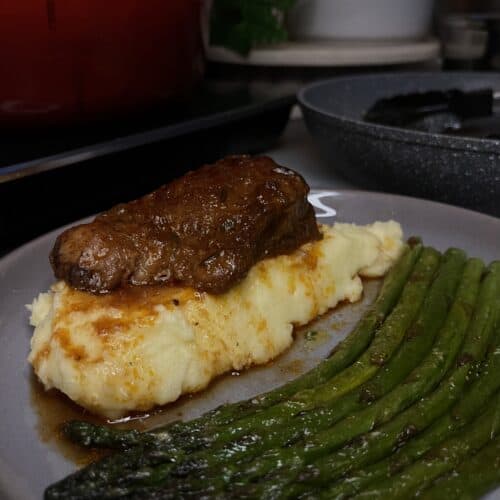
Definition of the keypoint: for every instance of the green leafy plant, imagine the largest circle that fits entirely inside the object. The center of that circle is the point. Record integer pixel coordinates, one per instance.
(241, 25)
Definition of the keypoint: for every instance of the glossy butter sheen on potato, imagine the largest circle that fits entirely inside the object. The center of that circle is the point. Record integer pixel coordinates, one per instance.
(144, 346)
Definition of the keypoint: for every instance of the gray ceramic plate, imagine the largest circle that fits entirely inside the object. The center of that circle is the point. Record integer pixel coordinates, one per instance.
(29, 457)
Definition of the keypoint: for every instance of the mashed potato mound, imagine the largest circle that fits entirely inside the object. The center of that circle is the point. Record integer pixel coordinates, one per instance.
(139, 347)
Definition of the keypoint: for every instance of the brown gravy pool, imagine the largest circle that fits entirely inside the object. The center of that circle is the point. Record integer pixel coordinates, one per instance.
(53, 409)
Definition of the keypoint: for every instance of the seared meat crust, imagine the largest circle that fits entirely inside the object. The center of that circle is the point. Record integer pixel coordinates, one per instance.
(204, 230)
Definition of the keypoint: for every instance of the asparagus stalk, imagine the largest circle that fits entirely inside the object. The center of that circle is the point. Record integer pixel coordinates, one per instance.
(441, 459)
(472, 478)
(100, 436)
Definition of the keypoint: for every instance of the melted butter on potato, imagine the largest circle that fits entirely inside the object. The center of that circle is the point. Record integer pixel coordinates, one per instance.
(144, 346)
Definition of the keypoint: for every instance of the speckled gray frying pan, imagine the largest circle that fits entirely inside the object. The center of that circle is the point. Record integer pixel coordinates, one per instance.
(459, 170)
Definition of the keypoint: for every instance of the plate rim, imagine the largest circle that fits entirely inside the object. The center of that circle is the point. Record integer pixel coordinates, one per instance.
(17, 252)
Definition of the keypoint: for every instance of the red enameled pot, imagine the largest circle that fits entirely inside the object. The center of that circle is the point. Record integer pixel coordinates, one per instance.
(70, 61)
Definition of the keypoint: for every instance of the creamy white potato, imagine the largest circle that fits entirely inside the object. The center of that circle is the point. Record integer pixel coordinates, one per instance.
(139, 347)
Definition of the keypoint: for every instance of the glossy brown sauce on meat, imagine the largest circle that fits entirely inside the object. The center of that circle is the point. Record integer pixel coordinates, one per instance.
(204, 230)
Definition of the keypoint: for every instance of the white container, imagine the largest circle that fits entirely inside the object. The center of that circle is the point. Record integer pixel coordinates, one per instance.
(360, 19)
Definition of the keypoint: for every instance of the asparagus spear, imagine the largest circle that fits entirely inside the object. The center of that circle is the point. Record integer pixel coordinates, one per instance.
(471, 479)
(343, 355)
(100, 436)
(377, 444)
(441, 459)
